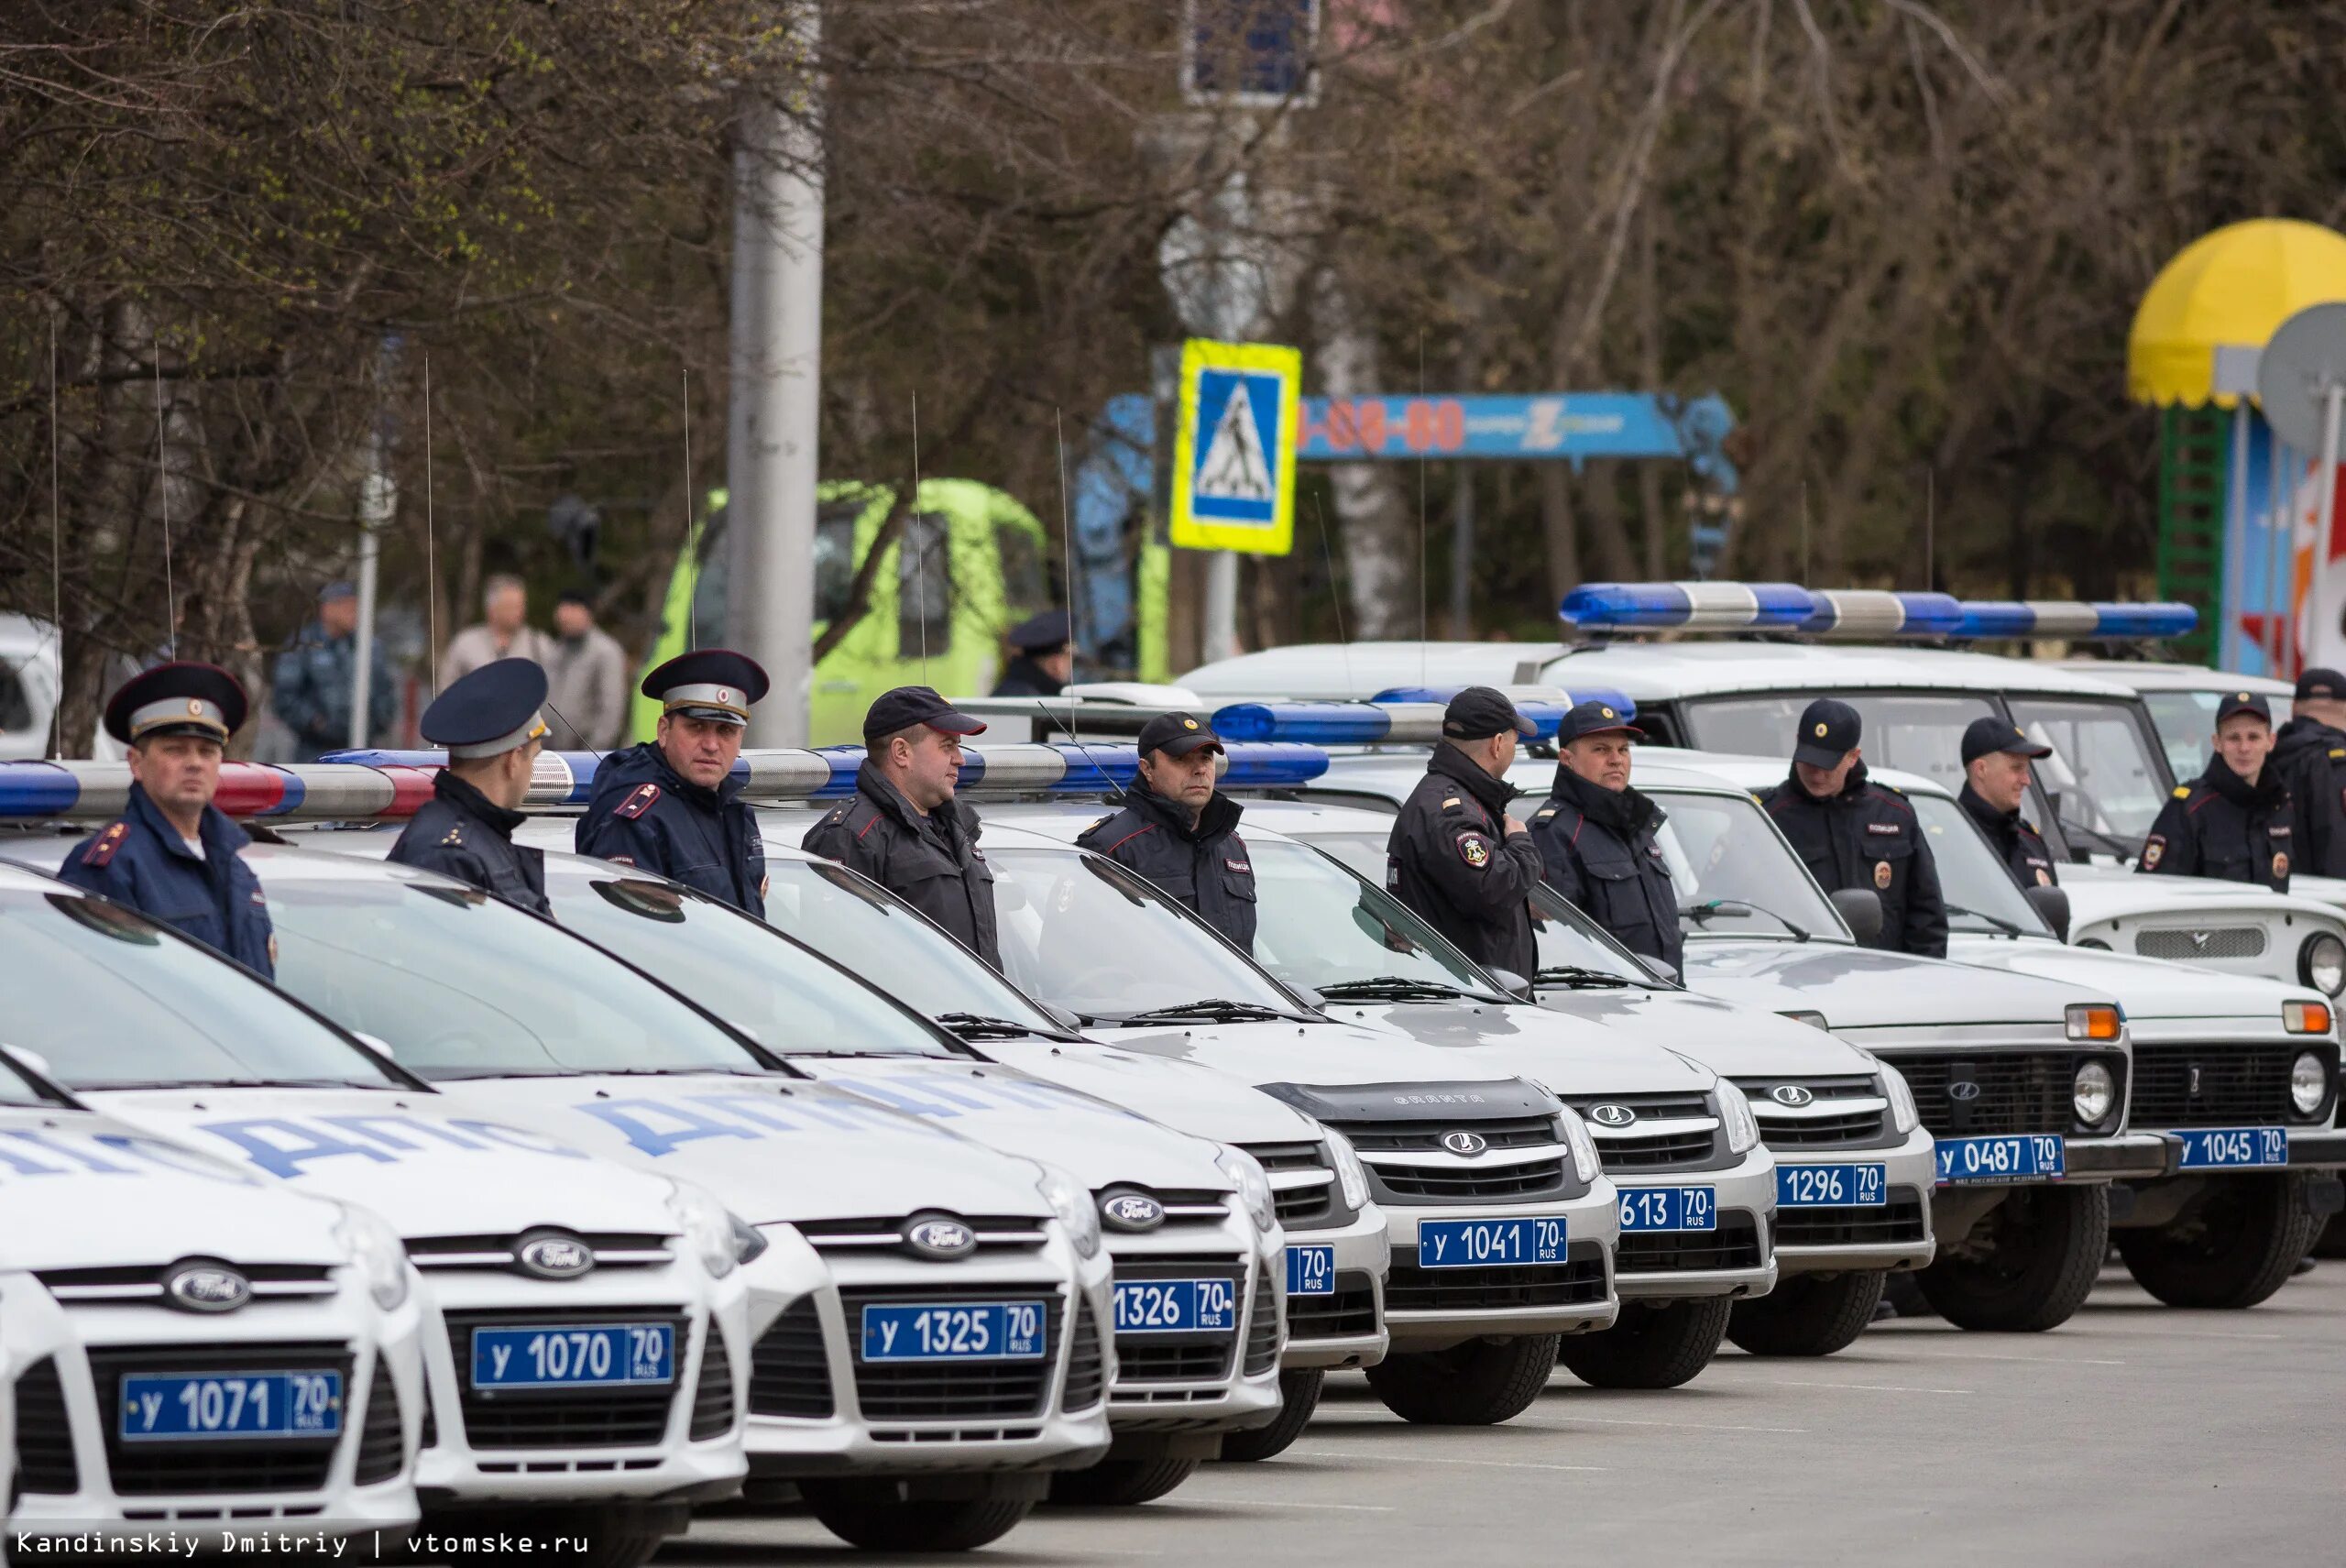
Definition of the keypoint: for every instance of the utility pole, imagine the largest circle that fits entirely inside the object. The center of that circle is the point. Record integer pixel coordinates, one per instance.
(777, 355)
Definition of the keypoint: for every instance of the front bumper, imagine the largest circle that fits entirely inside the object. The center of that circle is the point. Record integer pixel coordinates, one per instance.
(1347, 1327)
(2128, 1157)
(1203, 1382)
(1431, 1308)
(1896, 1235)
(1736, 1258)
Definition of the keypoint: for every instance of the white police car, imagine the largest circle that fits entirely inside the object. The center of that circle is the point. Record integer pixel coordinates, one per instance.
(188, 1347)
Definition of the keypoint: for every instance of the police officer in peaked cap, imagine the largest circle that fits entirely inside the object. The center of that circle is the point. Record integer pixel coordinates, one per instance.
(172, 854)
(493, 724)
(1180, 831)
(903, 829)
(1854, 833)
(672, 804)
(1045, 660)
(2309, 754)
(2237, 821)
(1455, 856)
(1598, 837)
(1996, 755)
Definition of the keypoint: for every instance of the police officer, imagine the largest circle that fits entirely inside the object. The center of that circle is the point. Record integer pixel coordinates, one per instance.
(172, 854)
(2309, 755)
(2237, 820)
(492, 724)
(903, 829)
(1455, 856)
(1854, 833)
(1045, 660)
(1180, 831)
(1995, 781)
(1597, 836)
(670, 804)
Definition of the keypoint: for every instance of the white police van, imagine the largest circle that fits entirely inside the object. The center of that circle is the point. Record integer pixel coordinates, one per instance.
(187, 1347)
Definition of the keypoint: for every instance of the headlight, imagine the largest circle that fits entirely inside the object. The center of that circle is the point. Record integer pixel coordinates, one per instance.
(2093, 1021)
(1072, 1205)
(1254, 1187)
(1351, 1177)
(1742, 1129)
(1585, 1163)
(1903, 1114)
(2321, 963)
(2305, 1017)
(709, 1229)
(2308, 1083)
(2094, 1095)
(377, 1254)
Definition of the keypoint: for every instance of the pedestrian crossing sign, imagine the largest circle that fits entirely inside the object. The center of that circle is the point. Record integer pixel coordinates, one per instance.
(1234, 454)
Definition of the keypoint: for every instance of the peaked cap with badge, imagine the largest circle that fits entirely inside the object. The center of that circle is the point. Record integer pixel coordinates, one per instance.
(489, 713)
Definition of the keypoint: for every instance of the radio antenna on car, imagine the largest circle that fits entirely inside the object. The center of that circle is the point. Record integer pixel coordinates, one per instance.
(692, 599)
(163, 493)
(915, 542)
(430, 557)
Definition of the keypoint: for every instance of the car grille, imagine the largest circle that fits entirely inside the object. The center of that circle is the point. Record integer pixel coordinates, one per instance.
(497, 1253)
(142, 1285)
(382, 1451)
(713, 1397)
(1507, 1133)
(45, 1460)
(1087, 1370)
(1307, 1204)
(1631, 1148)
(996, 1234)
(2020, 1093)
(564, 1418)
(1466, 1182)
(1821, 1125)
(2213, 1085)
(1579, 1280)
(1735, 1244)
(253, 1465)
(1262, 1328)
(945, 1390)
(1348, 1311)
(1899, 1220)
(788, 1373)
(1197, 1357)
(2185, 944)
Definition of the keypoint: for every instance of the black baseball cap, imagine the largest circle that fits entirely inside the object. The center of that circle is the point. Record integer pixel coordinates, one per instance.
(907, 705)
(1478, 713)
(1985, 737)
(1178, 735)
(2319, 682)
(1594, 717)
(2244, 701)
(1829, 730)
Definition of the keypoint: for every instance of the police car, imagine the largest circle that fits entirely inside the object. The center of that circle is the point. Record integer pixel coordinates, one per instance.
(2182, 700)
(186, 1345)
(585, 1324)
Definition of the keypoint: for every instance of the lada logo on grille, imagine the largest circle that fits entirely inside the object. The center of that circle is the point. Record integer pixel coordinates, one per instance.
(1464, 1143)
(1963, 1088)
(2193, 1090)
(1611, 1115)
(1792, 1094)
(555, 1256)
(206, 1287)
(940, 1238)
(2200, 939)
(1131, 1212)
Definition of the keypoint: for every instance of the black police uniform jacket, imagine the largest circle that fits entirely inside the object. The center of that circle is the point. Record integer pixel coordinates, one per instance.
(462, 833)
(2018, 843)
(643, 813)
(932, 862)
(1450, 859)
(1024, 677)
(2222, 826)
(1869, 836)
(140, 859)
(1600, 850)
(2311, 759)
(1207, 868)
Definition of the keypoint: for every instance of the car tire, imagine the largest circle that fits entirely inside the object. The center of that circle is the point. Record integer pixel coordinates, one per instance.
(1120, 1482)
(2043, 1247)
(1657, 1346)
(1808, 1315)
(2331, 1241)
(1299, 1397)
(870, 1514)
(2235, 1249)
(1479, 1384)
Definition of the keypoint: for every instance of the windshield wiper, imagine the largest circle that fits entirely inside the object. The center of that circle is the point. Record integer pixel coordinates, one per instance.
(1212, 1007)
(1703, 914)
(1578, 978)
(237, 1084)
(1387, 988)
(1997, 921)
(980, 1026)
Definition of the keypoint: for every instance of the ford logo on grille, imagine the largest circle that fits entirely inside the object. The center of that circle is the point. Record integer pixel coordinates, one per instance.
(555, 1256)
(940, 1238)
(1791, 1094)
(1963, 1088)
(1611, 1115)
(1464, 1143)
(206, 1287)
(1131, 1212)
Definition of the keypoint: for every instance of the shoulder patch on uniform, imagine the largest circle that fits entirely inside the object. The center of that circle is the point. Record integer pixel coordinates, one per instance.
(101, 848)
(456, 838)
(637, 803)
(1451, 802)
(2336, 752)
(1474, 849)
(1101, 823)
(2183, 791)
(1544, 815)
(2154, 848)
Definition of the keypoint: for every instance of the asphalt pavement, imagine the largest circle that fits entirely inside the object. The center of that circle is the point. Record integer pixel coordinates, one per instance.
(2134, 1434)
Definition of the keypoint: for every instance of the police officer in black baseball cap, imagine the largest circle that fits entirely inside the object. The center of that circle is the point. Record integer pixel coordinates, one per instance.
(1181, 833)
(2309, 754)
(493, 724)
(1455, 856)
(2237, 821)
(1996, 755)
(1598, 838)
(1045, 660)
(1852, 832)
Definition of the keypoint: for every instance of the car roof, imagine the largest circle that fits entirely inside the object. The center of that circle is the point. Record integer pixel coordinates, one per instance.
(2178, 678)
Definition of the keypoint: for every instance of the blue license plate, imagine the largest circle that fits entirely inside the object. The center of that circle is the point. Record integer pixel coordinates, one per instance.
(1176, 1305)
(1312, 1271)
(1832, 1186)
(2218, 1148)
(965, 1331)
(193, 1407)
(1669, 1208)
(2012, 1157)
(1479, 1244)
(582, 1355)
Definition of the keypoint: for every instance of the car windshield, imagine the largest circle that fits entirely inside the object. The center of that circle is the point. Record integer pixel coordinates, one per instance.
(1080, 930)
(459, 986)
(2103, 773)
(2186, 722)
(767, 986)
(867, 931)
(1731, 864)
(1917, 732)
(1319, 924)
(1971, 877)
(109, 1000)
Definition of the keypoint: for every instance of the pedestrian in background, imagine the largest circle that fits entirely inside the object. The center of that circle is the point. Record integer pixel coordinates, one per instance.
(586, 677)
(1046, 661)
(504, 632)
(314, 682)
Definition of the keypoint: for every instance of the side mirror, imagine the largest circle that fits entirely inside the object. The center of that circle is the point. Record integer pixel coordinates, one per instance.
(33, 1061)
(2052, 906)
(1065, 1017)
(1513, 983)
(1860, 909)
(1660, 969)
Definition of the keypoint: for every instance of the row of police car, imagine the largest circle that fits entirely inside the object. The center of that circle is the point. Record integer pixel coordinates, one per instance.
(568, 1228)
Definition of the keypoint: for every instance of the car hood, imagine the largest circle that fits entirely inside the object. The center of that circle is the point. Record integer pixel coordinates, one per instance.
(1859, 987)
(1730, 1040)
(2123, 896)
(1567, 1054)
(1194, 1098)
(1309, 1053)
(2145, 987)
(776, 1150)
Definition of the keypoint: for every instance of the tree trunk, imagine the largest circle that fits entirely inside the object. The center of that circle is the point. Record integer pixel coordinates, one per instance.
(1381, 542)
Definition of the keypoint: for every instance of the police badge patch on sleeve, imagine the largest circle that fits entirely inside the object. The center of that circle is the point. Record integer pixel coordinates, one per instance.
(1474, 849)
(2152, 847)
(1881, 874)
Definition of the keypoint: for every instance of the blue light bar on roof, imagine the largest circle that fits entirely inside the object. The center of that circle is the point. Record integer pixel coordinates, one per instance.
(1532, 702)
(2073, 620)
(1877, 612)
(1691, 607)
(1355, 723)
